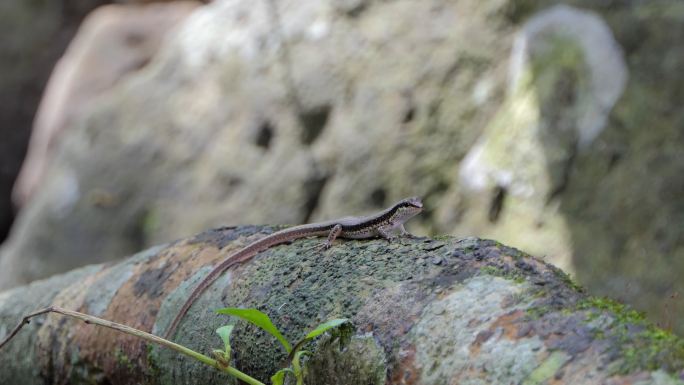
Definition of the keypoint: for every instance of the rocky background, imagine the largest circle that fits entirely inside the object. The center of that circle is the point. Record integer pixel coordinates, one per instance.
(32, 37)
(553, 127)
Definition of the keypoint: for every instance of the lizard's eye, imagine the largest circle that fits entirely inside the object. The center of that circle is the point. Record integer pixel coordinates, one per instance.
(415, 202)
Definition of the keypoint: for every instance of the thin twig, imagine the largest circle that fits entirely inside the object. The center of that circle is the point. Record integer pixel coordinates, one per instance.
(26, 320)
(134, 332)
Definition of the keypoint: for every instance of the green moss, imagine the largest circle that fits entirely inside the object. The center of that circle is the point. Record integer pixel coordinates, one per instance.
(623, 313)
(537, 312)
(565, 278)
(512, 275)
(643, 346)
(152, 367)
(445, 237)
(547, 369)
(599, 334)
(123, 360)
(363, 361)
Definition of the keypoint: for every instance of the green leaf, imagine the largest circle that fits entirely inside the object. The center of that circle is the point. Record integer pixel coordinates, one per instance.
(279, 377)
(324, 327)
(259, 319)
(224, 332)
(340, 329)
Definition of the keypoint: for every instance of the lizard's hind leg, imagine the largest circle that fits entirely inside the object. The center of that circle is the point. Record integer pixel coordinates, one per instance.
(327, 244)
(334, 233)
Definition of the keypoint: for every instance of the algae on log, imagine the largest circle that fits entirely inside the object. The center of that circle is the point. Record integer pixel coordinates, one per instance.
(434, 311)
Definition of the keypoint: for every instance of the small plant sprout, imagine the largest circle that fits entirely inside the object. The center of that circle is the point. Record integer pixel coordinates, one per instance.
(223, 356)
(279, 377)
(340, 329)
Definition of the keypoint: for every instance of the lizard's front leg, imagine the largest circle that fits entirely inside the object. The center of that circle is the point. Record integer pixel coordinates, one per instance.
(387, 232)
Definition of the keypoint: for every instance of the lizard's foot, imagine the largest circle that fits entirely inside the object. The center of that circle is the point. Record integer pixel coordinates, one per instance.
(390, 239)
(320, 247)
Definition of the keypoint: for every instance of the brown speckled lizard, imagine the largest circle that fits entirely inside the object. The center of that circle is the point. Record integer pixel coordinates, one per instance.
(387, 224)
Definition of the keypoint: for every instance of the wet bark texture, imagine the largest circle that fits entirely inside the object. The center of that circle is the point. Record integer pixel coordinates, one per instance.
(434, 311)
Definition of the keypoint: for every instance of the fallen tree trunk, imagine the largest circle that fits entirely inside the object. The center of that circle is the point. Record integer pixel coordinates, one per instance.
(434, 311)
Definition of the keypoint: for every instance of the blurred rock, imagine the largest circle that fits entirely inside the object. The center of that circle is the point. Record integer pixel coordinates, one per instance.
(566, 72)
(32, 36)
(114, 41)
(322, 109)
(583, 161)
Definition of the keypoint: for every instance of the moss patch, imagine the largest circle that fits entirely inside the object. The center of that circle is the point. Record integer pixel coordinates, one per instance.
(547, 369)
(123, 360)
(510, 274)
(642, 345)
(565, 278)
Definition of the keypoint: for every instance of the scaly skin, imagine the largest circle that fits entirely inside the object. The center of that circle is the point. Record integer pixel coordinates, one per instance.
(384, 224)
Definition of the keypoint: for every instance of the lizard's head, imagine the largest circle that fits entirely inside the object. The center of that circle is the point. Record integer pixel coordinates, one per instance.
(407, 208)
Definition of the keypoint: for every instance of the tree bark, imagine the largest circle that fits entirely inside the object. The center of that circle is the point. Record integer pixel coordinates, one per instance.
(434, 311)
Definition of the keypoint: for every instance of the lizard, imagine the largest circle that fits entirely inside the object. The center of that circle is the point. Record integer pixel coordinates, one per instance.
(385, 224)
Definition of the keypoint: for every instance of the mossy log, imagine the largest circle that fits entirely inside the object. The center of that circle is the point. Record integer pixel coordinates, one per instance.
(432, 311)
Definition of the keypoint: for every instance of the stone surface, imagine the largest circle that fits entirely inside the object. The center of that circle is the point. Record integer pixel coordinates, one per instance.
(289, 137)
(113, 42)
(33, 34)
(509, 119)
(566, 72)
(488, 314)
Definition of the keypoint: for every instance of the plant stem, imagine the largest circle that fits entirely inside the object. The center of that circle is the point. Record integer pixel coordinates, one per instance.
(297, 368)
(135, 332)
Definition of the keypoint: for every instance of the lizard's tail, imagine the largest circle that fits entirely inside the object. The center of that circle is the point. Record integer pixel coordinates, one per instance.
(240, 256)
(198, 291)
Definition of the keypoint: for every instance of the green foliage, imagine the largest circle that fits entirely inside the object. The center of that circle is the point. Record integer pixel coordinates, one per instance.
(279, 377)
(223, 356)
(259, 319)
(298, 369)
(324, 327)
(340, 329)
(224, 332)
(343, 333)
